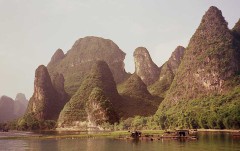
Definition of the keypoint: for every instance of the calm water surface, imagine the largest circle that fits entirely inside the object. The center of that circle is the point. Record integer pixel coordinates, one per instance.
(207, 142)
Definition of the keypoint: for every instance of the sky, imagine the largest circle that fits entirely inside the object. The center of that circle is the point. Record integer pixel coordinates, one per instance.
(32, 30)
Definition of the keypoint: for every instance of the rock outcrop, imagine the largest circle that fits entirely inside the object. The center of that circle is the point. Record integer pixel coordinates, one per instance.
(79, 59)
(145, 68)
(94, 103)
(167, 73)
(58, 84)
(46, 103)
(6, 109)
(20, 105)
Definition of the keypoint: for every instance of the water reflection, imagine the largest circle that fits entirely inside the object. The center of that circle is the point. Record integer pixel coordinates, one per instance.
(206, 142)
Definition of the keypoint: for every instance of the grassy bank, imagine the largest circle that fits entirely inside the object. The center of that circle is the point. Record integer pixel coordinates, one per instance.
(113, 134)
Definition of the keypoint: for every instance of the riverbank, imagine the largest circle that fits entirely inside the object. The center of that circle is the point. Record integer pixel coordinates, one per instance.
(32, 135)
(78, 134)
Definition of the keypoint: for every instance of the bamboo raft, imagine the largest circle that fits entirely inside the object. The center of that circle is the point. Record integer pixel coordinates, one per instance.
(176, 135)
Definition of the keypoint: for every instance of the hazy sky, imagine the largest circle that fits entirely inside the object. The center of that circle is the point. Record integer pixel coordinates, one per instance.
(32, 30)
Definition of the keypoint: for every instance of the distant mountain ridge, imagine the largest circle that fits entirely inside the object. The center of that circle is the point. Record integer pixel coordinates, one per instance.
(12, 109)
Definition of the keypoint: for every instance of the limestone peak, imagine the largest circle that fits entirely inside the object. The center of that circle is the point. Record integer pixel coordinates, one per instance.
(145, 68)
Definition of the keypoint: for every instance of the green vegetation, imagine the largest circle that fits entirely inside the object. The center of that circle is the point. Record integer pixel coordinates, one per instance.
(79, 59)
(136, 98)
(214, 112)
(204, 92)
(99, 77)
(29, 122)
(99, 108)
(138, 123)
(210, 61)
(167, 73)
(161, 86)
(110, 134)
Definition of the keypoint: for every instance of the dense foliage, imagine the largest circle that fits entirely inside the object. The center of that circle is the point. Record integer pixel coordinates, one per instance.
(99, 77)
(167, 73)
(214, 112)
(30, 122)
(136, 98)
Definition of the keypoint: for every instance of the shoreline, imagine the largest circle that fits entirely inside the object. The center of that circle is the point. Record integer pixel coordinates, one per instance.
(24, 135)
(112, 134)
(219, 130)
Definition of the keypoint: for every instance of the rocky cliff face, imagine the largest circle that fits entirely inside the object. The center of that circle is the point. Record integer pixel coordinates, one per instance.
(20, 105)
(6, 109)
(46, 103)
(136, 98)
(145, 68)
(79, 59)
(94, 103)
(167, 73)
(58, 84)
(99, 109)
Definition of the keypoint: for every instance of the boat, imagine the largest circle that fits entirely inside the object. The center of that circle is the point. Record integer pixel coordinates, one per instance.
(175, 135)
(5, 130)
(180, 134)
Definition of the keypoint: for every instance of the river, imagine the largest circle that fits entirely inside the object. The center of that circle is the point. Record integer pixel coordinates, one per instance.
(208, 141)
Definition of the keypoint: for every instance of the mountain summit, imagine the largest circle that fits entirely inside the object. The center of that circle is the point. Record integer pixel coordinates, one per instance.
(92, 104)
(79, 59)
(46, 102)
(145, 68)
(207, 75)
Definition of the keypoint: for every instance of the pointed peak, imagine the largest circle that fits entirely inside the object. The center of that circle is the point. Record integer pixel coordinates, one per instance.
(41, 68)
(20, 96)
(100, 71)
(134, 86)
(213, 16)
(176, 56)
(42, 78)
(59, 51)
(140, 51)
(57, 56)
(213, 9)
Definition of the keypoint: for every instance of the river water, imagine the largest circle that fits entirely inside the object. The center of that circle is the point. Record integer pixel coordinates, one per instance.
(207, 142)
